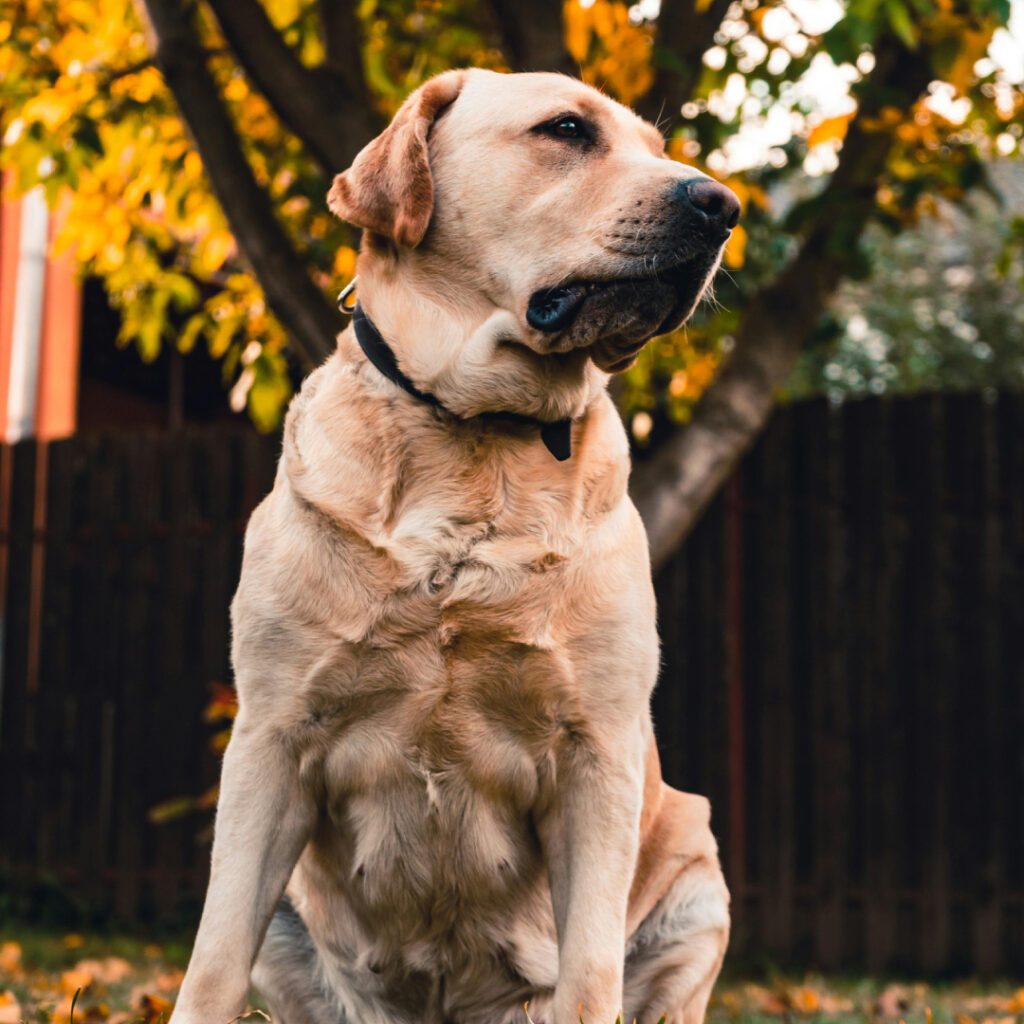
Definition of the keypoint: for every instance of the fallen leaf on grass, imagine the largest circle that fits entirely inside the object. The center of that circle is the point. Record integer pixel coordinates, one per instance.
(10, 1008)
(84, 1013)
(169, 981)
(803, 999)
(10, 958)
(108, 971)
(764, 1000)
(153, 1008)
(730, 1002)
(892, 1001)
(836, 1004)
(75, 979)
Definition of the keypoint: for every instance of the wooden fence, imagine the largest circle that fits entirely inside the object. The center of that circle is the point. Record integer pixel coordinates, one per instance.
(843, 649)
(120, 556)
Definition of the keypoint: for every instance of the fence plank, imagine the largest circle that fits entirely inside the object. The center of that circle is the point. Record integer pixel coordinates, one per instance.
(1010, 430)
(140, 662)
(936, 681)
(773, 540)
(19, 715)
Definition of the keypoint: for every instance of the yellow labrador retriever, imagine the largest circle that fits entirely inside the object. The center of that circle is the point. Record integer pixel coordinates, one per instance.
(442, 798)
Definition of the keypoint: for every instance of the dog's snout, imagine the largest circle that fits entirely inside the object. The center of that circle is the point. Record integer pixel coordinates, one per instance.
(712, 200)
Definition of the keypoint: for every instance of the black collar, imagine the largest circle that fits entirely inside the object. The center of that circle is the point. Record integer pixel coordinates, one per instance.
(556, 436)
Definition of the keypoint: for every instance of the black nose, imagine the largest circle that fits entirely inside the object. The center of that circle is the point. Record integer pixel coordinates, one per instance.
(716, 202)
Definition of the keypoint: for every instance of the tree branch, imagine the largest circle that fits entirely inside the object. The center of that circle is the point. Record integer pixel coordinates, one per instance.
(309, 318)
(683, 33)
(342, 35)
(673, 487)
(533, 36)
(317, 105)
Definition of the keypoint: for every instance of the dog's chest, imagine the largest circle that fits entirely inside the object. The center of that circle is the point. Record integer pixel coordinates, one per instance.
(453, 702)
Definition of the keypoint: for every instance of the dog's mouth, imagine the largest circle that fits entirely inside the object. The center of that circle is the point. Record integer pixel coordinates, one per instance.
(618, 316)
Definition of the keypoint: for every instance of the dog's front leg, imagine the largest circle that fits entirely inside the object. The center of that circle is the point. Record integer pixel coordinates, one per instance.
(263, 822)
(590, 838)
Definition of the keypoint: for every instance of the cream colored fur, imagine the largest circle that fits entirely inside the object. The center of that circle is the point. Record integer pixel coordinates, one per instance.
(444, 640)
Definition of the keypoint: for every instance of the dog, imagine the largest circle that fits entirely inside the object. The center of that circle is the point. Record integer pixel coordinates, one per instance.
(441, 802)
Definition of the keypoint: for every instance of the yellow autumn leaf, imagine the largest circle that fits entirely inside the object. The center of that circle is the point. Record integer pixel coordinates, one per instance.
(236, 89)
(153, 1008)
(145, 85)
(829, 129)
(736, 248)
(193, 166)
(603, 16)
(805, 1000)
(577, 30)
(345, 262)
(701, 371)
(10, 958)
(108, 971)
(92, 1013)
(747, 193)
(80, 10)
(10, 1008)
(75, 979)
(52, 107)
(215, 250)
(283, 12)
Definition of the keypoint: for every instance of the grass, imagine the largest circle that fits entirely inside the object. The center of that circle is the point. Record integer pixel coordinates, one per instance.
(121, 979)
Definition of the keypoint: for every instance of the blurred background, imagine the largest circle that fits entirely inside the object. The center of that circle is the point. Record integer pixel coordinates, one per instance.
(829, 458)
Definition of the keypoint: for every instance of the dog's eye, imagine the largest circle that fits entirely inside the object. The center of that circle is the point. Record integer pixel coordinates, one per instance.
(567, 127)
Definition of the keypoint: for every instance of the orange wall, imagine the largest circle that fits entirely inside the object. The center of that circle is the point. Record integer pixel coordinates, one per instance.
(57, 399)
(10, 228)
(57, 394)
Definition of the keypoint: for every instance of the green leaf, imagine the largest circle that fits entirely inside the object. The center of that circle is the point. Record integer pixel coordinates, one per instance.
(190, 332)
(171, 810)
(901, 23)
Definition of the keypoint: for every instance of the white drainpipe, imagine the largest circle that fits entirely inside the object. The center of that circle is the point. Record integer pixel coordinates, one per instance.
(27, 326)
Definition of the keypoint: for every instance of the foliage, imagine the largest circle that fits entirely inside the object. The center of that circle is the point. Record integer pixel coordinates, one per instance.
(220, 712)
(86, 114)
(755, 81)
(940, 310)
(125, 980)
(86, 980)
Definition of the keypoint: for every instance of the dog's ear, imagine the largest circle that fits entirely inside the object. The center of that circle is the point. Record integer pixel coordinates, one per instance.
(389, 188)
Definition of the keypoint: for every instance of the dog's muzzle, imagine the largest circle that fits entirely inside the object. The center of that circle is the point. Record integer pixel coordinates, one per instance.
(676, 253)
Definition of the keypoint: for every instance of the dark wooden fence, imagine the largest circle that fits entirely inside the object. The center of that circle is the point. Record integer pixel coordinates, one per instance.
(120, 556)
(843, 648)
(843, 651)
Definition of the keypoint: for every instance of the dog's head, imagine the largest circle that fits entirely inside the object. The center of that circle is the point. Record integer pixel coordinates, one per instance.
(545, 199)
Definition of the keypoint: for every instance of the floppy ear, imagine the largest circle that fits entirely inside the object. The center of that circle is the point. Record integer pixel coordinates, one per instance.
(389, 188)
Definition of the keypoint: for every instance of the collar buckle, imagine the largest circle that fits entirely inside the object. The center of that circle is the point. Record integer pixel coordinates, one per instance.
(345, 293)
